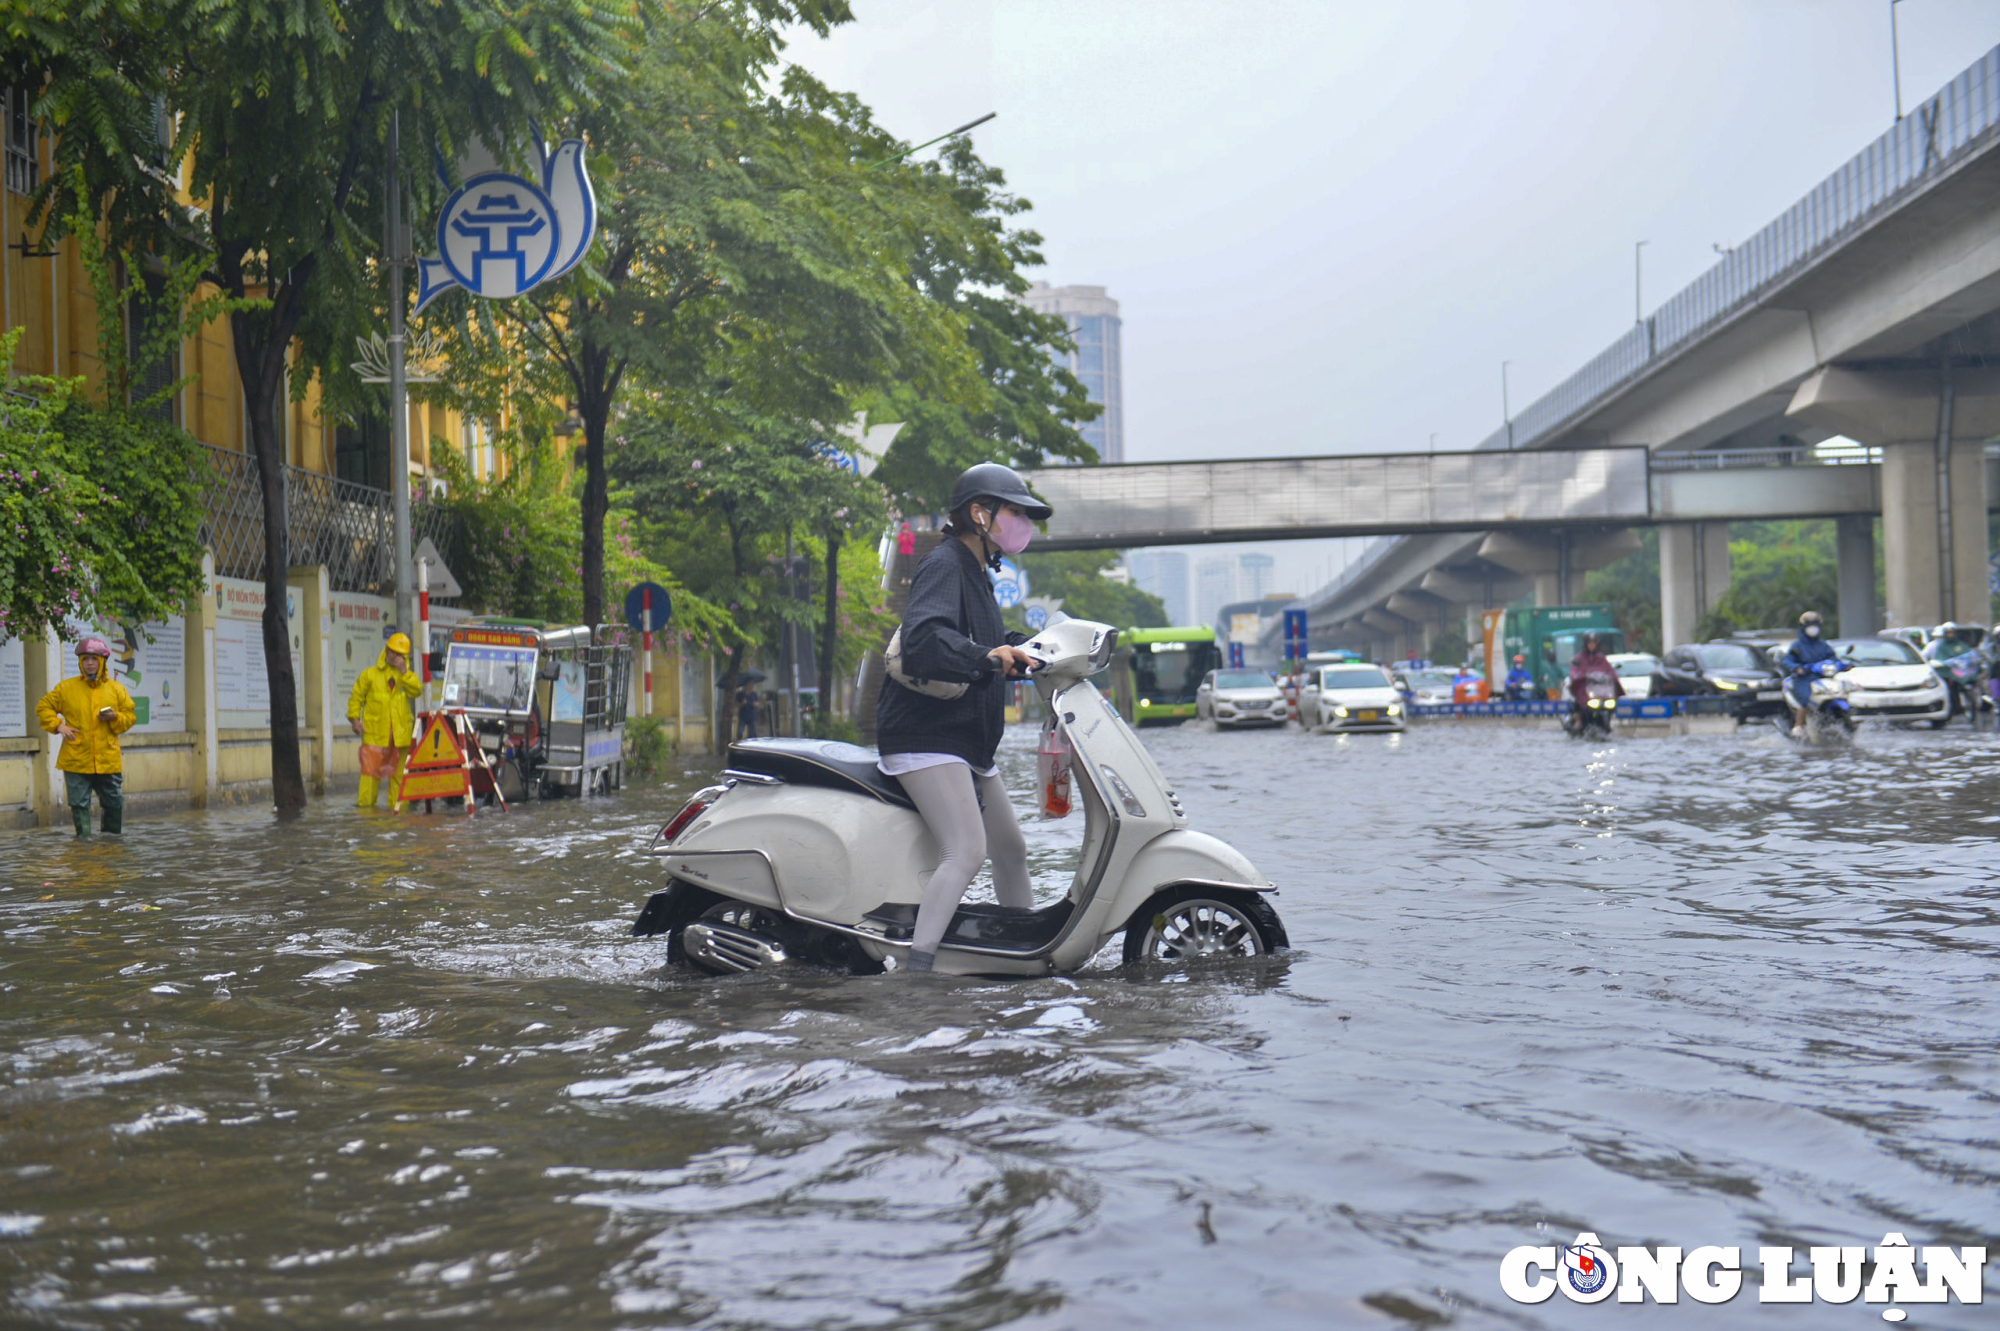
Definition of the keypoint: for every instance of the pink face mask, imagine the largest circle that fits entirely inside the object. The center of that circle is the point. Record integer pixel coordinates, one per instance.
(1012, 532)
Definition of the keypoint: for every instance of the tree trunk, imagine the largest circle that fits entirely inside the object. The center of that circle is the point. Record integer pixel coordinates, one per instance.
(260, 346)
(596, 504)
(830, 638)
(730, 682)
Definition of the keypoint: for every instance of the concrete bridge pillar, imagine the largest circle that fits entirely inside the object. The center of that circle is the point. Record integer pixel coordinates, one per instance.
(1934, 531)
(1859, 615)
(1694, 575)
(1931, 424)
(1557, 561)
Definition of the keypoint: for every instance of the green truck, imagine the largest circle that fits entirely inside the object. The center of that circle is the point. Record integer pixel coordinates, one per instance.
(1548, 636)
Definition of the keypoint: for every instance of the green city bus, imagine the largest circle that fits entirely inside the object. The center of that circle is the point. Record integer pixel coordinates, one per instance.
(1168, 665)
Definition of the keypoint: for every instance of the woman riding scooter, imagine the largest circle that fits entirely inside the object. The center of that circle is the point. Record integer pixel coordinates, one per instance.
(941, 747)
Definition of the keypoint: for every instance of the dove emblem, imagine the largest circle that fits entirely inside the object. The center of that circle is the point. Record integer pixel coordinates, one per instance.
(500, 236)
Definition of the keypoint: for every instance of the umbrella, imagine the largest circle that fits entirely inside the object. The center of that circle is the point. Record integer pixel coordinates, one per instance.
(750, 676)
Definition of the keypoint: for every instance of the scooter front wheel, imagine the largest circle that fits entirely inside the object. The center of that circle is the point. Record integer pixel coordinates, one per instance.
(1189, 924)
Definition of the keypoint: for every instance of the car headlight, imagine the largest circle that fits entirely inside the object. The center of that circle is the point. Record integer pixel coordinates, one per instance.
(1931, 681)
(1340, 711)
(1727, 686)
(1395, 709)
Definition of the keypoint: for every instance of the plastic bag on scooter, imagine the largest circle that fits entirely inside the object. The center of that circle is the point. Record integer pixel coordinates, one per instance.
(1052, 771)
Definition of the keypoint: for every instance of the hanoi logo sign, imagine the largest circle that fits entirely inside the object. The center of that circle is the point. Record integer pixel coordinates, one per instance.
(500, 235)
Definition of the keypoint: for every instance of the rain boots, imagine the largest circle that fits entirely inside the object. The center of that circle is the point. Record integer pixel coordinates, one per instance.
(109, 788)
(370, 788)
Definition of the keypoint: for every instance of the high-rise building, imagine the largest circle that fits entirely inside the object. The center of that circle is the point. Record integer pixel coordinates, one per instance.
(1253, 575)
(1094, 327)
(1214, 587)
(1164, 573)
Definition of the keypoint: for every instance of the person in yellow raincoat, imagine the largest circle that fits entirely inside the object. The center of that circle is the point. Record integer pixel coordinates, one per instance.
(379, 711)
(90, 712)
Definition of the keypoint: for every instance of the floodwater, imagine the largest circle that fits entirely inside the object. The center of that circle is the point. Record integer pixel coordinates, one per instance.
(361, 1068)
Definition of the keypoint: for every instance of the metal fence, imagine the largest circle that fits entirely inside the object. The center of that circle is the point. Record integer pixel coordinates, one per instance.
(346, 527)
(1961, 120)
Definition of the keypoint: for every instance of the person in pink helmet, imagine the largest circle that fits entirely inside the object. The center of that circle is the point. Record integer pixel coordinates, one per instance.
(90, 711)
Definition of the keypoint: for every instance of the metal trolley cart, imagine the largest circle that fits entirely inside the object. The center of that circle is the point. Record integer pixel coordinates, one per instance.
(546, 704)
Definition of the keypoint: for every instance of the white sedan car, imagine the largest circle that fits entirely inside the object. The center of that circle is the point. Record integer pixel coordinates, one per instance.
(1241, 698)
(1351, 697)
(1635, 672)
(1890, 682)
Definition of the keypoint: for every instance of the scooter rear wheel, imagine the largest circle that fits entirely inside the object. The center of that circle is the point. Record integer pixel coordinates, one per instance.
(1190, 924)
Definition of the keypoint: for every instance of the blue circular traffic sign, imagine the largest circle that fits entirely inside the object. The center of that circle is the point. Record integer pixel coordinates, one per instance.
(637, 613)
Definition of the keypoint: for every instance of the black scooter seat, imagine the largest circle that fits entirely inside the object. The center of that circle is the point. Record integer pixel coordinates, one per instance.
(818, 762)
(999, 928)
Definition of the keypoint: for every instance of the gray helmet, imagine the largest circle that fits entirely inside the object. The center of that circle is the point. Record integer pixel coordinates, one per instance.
(991, 480)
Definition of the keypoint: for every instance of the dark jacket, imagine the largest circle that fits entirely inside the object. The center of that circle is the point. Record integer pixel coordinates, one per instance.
(1805, 653)
(950, 624)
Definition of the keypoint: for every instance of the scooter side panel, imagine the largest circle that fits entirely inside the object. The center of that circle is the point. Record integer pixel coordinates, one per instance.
(836, 856)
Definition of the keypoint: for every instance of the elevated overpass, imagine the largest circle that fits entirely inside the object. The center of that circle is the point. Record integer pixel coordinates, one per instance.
(1869, 310)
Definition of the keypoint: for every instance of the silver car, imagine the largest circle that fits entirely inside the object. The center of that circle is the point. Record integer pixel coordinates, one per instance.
(1241, 698)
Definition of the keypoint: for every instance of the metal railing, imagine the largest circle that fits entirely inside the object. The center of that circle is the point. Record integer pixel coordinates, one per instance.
(1960, 120)
(346, 527)
(1733, 459)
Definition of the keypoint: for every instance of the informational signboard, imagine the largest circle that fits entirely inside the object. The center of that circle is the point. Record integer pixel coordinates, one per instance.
(1295, 635)
(1243, 628)
(361, 624)
(242, 692)
(150, 660)
(14, 703)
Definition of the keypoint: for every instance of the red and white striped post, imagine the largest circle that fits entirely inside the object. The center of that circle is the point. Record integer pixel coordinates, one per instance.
(424, 624)
(646, 636)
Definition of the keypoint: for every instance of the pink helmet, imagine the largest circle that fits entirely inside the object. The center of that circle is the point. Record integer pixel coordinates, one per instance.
(94, 647)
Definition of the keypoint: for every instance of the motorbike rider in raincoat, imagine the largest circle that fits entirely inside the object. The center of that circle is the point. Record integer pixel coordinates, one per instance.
(1587, 665)
(1799, 664)
(1520, 684)
(90, 711)
(379, 711)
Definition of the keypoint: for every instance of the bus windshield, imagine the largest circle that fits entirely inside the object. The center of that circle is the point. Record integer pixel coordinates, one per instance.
(1170, 671)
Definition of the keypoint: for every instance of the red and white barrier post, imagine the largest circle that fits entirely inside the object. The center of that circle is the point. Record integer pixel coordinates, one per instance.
(647, 637)
(424, 624)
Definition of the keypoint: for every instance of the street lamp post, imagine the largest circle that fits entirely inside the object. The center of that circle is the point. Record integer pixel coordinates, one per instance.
(1896, 60)
(1638, 269)
(1506, 412)
(397, 249)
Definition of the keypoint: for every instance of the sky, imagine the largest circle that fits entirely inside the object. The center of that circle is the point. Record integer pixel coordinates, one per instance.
(1327, 224)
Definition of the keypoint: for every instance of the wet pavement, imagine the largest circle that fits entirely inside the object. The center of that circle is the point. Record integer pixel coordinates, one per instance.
(361, 1068)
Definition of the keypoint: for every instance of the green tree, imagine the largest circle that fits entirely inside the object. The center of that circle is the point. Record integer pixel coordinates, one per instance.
(1026, 411)
(743, 247)
(274, 113)
(1078, 578)
(1631, 586)
(1777, 571)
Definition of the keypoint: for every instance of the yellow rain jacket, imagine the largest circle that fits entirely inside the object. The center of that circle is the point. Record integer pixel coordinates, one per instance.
(381, 700)
(76, 700)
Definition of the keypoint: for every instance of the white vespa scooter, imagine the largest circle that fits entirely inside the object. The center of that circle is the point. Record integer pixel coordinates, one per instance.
(807, 851)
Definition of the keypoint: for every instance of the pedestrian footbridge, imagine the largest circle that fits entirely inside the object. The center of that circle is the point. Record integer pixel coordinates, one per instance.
(1182, 503)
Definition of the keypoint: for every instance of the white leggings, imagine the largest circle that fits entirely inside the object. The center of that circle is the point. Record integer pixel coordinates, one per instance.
(971, 818)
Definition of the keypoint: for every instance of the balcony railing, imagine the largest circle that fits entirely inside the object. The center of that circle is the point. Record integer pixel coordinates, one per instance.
(346, 527)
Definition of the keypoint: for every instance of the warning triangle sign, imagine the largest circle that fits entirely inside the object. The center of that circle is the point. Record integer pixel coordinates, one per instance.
(438, 747)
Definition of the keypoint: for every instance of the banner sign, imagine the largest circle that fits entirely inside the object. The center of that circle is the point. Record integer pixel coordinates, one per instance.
(242, 692)
(500, 235)
(13, 690)
(361, 625)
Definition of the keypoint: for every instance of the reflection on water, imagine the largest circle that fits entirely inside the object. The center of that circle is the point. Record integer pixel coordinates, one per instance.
(364, 1067)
